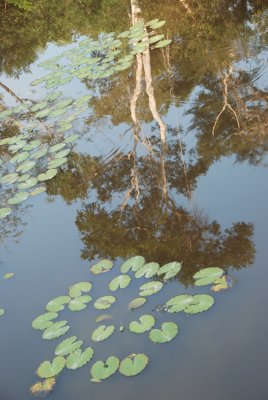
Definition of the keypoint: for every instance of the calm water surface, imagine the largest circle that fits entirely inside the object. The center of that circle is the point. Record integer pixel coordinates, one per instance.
(192, 189)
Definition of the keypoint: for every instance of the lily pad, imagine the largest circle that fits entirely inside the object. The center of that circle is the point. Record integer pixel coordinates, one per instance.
(170, 270)
(144, 324)
(57, 147)
(101, 266)
(133, 264)
(79, 358)
(133, 364)
(102, 332)
(68, 345)
(150, 288)
(47, 175)
(77, 289)
(2, 312)
(9, 275)
(207, 276)
(9, 178)
(179, 303)
(48, 369)
(28, 184)
(18, 198)
(38, 190)
(57, 162)
(147, 270)
(4, 212)
(104, 369)
(20, 157)
(39, 154)
(167, 332)
(43, 388)
(56, 330)
(104, 317)
(163, 43)
(57, 304)
(202, 302)
(71, 138)
(220, 284)
(120, 281)
(79, 303)
(44, 321)
(136, 303)
(104, 302)
(26, 166)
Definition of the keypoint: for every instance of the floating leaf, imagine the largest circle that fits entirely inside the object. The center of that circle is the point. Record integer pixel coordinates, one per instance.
(179, 303)
(57, 147)
(202, 302)
(57, 162)
(42, 389)
(104, 317)
(150, 288)
(147, 270)
(48, 175)
(167, 332)
(25, 167)
(62, 153)
(33, 144)
(157, 24)
(4, 212)
(79, 303)
(38, 190)
(101, 266)
(57, 304)
(28, 184)
(48, 369)
(144, 324)
(163, 43)
(24, 178)
(78, 359)
(120, 281)
(68, 345)
(133, 364)
(2, 312)
(207, 276)
(104, 369)
(20, 157)
(136, 303)
(170, 270)
(133, 264)
(55, 330)
(71, 138)
(39, 154)
(18, 198)
(44, 113)
(10, 178)
(104, 302)
(9, 275)
(39, 106)
(77, 289)
(220, 284)
(44, 321)
(102, 332)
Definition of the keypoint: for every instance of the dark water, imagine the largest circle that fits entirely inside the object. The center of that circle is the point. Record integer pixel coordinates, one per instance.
(200, 198)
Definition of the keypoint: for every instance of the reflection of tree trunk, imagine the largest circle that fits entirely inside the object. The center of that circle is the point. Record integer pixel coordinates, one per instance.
(9, 91)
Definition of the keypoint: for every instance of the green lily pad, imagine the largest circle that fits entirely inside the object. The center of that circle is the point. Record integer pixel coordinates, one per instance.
(104, 302)
(150, 288)
(62, 153)
(102, 332)
(53, 96)
(104, 369)
(39, 154)
(18, 198)
(147, 270)
(44, 113)
(202, 302)
(56, 330)
(57, 304)
(9, 178)
(170, 270)
(58, 112)
(104, 317)
(167, 332)
(79, 303)
(38, 190)
(163, 43)
(33, 144)
(78, 359)
(120, 281)
(57, 147)
(133, 264)
(48, 369)
(44, 321)
(101, 266)
(39, 106)
(20, 157)
(2, 312)
(57, 162)
(71, 138)
(24, 178)
(47, 175)
(9, 275)
(64, 103)
(179, 303)
(4, 212)
(157, 24)
(207, 276)
(77, 289)
(68, 345)
(133, 364)
(26, 166)
(144, 324)
(136, 303)
(28, 184)
(37, 82)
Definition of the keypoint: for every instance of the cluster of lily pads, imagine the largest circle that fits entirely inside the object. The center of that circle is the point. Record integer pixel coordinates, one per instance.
(31, 158)
(69, 353)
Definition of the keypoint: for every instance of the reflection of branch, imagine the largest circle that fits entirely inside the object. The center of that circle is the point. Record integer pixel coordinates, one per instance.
(226, 104)
(9, 91)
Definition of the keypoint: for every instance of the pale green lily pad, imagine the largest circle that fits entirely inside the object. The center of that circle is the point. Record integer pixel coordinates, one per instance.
(58, 112)
(33, 144)
(2, 312)
(28, 184)
(150, 288)
(48, 369)
(102, 332)
(144, 324)
(24, 178)
(78, 359)
(104, 369)
(167, 332)
(202, 302)
(56, 330)
(120, 281)
(77, 289)
(20, 157)
(179, 303)
(44, 113)
(64, 103)
(62, 153)
(47, 175)
(101, 266)
(207, 276)
(157, 24)
(57, 304)
(18, 198)
(163, 43)
(26, 166)
(68, 345)
(4, 212)
(71, 138)
(9, 275)
(133, 264)
(136, 303)
(39, 106)
(10, 178)
(79, 303)
(44, 321)
(57, 147)
(39, 154)
(104, 302)
(104, 317)
(133, 364)
(57, 162)
(38, 190)
(170, 270)
(147, 270)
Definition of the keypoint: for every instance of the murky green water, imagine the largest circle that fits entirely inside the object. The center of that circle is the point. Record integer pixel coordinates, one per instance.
(171, 164)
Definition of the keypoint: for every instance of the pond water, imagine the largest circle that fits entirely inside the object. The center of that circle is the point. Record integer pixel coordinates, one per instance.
(170, 164)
